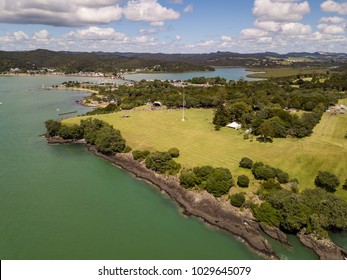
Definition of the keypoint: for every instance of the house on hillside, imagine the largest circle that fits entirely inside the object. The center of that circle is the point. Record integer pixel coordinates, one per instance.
(234, 125)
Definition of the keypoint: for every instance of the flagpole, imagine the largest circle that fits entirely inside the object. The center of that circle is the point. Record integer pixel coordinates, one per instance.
(183, 109)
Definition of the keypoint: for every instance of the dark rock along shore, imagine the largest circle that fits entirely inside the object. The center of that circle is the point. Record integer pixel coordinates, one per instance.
(205, 206)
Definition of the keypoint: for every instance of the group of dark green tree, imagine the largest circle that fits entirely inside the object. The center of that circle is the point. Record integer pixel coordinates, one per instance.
(264, 106)
(317, 210)
(107, 140)
(160, 162)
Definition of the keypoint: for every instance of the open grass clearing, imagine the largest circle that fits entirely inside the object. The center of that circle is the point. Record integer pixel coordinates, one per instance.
(200, 144)
(285, 72)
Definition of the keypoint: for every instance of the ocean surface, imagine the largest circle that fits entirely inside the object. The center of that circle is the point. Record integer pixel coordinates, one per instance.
(227, 73)
(61, 202)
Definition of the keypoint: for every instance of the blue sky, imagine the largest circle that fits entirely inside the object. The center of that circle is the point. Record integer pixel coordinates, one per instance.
(174, 26)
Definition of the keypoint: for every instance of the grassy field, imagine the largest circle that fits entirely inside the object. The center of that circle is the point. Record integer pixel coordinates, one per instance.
(200, 144)
(284, 72)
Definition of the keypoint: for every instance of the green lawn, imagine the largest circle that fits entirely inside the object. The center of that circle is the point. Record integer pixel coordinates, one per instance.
(284, 72)
(200, 144)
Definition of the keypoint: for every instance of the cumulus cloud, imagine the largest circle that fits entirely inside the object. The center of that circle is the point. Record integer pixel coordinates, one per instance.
(20, 36)
(148, 31)
(331, 6)
(178, 38)
(60, 13)
(296, 28)
(148, 10)
(330, 29)
(188, 9)
(226, 38)
(157, 23)
(96, 33)
(333, 20)
(82, 12)
(252, 32)
(41, 35)
(280, 10)
(270, 26)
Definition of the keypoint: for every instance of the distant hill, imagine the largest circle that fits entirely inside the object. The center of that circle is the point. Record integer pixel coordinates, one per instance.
(73, 62)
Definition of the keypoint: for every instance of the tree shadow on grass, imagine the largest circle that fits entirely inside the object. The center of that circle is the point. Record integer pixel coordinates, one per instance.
(264, 140)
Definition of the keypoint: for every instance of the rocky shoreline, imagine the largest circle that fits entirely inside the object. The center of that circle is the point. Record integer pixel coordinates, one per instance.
(202, 205)
(219, 214)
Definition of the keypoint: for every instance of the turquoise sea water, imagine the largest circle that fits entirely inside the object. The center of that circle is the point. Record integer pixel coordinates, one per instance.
(61, 202)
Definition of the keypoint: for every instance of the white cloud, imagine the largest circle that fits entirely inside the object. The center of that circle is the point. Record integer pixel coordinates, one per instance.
(41, 35)
(96, 33)
(157, 23)
(252, 32)
(148, 10)
(177, 1)
(280, 10)
(333, 20)
(226, 38)
(178, 38)
(331, 6)
(82, 12)
(20, 36)
(148, 31)
(295, 28)
(330, 29)
(188, 9)
(60, 13)
(270, 26)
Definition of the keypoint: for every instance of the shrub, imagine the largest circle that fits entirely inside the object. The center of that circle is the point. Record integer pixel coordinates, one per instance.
(52, 127)
(283, 177)
(162, 162)
(237, 199)
(268, 187)
(127, 149)
(219, 182)
(188, 179)
(203, 172)
(109, 141)
(174, 152)
(140, 155)
(344, 186)
(267, 214)
(71, 132)
(327, 181)
(246, 163)
(264, 172)
(243, 181)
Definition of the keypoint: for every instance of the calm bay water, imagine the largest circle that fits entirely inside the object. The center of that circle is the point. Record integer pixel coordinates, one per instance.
(227, 73)
(61, 202)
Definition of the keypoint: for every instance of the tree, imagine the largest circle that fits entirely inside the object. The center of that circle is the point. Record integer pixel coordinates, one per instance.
(283, 177)
(344, 186)
(243, 181)
(246, 163)
(52, 127)
(237, 199)
(267, 214)
(188, 179)
(203, 172)
(71, 132)
(327, 181)
(264, 172)
(174, 152)
(219, 182)
(109, 141)
(140, 155)
(162, 163)
(267, 130)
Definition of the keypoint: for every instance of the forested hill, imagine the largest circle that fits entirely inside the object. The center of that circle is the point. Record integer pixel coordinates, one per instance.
(72, 62)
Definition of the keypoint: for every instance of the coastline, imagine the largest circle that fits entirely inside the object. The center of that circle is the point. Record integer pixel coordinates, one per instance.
(201, 205)
(218, 214)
